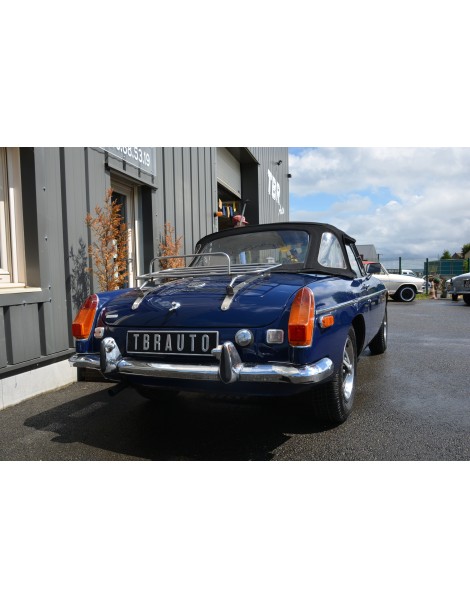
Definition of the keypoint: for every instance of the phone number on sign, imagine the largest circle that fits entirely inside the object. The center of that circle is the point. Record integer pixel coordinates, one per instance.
(137, 154)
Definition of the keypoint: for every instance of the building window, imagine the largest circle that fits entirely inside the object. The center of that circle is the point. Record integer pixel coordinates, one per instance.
(12, 261)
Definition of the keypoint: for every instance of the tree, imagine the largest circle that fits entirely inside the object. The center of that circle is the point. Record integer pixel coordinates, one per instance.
(465, 249)
(109, 252)
(446, 255)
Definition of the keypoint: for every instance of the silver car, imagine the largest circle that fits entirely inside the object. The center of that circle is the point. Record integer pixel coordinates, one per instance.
(459, 285)
(400, 287)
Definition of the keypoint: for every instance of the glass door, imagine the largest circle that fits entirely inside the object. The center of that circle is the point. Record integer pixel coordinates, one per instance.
(127, 196)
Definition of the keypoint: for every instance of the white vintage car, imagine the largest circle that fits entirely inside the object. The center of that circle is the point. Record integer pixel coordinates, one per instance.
(400, 287)
(459, 285)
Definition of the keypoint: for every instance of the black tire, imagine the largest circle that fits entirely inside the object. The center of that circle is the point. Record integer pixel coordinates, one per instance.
(378, 344)
(406, 293)
(466, 299)
(155, 394)
(333, 401)
(455, 297)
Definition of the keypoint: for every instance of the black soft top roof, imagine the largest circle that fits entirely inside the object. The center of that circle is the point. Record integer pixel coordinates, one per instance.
(315, 230)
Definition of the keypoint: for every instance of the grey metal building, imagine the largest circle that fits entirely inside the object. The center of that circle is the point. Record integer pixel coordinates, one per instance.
(45, 194)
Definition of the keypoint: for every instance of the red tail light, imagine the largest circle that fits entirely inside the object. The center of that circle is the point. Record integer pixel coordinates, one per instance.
(83, 322)
(301, 319)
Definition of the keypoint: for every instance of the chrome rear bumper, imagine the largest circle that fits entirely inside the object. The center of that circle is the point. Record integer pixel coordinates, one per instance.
(229, 369)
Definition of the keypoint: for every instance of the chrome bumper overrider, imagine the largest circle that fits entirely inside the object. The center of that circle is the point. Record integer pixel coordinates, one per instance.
(229, 368)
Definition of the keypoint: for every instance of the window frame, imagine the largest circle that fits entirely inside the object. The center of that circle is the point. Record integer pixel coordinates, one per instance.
(354, 257)
(12, 247)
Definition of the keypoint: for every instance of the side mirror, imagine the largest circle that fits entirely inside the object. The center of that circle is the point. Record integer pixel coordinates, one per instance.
(374, 267)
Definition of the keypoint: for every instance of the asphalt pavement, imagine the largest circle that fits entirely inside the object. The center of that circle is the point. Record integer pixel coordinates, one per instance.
(412, 403)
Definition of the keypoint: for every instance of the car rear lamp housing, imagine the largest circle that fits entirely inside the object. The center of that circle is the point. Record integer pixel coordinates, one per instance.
(301, 319)
(83, 322)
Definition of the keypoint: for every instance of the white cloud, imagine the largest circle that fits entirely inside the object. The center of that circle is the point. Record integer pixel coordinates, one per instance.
(403, 170)
(428, 210)
(353, 203)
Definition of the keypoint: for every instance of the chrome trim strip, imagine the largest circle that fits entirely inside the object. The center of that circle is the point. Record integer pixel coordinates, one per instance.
(348, 303)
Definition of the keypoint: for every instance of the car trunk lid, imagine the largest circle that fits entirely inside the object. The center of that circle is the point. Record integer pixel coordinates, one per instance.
(206, 302)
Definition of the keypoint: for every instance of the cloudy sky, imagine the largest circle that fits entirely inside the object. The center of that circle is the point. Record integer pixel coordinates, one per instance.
(409, 202)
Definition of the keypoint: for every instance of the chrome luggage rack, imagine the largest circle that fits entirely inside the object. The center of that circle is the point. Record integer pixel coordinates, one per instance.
(237, 271)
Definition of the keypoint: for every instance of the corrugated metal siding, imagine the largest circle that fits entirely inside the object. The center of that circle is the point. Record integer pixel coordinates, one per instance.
(35, 324)
(268, 159)
(3, 345)
(75, 206)
(186, 194)
(23, 339)
(53, 317)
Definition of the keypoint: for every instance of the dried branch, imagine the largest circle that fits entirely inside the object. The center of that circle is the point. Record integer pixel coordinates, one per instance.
(170, 246)
(109, 252)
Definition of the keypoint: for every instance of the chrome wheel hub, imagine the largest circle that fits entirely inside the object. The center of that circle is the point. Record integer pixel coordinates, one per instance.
(348, 370)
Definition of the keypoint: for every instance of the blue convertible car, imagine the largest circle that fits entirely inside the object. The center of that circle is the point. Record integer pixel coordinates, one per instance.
(274, 309)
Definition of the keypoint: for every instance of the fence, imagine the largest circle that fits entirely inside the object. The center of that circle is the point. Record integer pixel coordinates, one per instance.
(421, 267)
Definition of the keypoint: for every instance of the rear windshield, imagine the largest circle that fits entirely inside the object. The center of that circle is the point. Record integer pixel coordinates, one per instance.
(286, 247)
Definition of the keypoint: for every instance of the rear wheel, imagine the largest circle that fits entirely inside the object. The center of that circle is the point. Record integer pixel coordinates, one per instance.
(455, 297)
(406, 294)
(466, 299)
(334, 400)
(378, 344)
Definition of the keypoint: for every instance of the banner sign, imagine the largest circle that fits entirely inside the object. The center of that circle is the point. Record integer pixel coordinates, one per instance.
(142, 158)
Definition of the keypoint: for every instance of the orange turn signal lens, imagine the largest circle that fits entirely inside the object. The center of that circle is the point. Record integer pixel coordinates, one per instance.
(83, 322)
(327, 321)
(302, 313)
